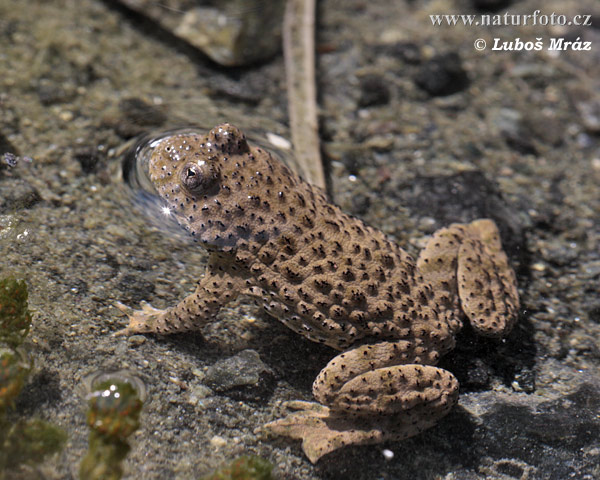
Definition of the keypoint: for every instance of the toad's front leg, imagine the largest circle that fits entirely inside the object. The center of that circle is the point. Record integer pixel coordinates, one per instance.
(218, 287)
(370, 394)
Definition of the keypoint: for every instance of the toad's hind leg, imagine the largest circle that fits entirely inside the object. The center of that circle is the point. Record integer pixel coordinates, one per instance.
(217, 288)
(469, 273)
(365, 398)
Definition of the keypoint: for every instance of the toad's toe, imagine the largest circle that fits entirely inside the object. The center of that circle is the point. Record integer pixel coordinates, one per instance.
(140, 321)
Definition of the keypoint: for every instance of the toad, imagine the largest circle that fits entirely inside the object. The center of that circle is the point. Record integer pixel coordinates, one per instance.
(331, 278)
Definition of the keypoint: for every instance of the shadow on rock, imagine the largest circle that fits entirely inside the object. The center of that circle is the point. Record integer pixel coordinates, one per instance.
(558, 438)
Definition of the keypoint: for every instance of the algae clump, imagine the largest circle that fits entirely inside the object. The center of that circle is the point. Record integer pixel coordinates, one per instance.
(113, 415)
(22, 441)
(247, 467)
(15, 319)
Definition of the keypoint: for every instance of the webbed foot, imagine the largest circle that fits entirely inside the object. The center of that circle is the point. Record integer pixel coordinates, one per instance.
(145, 320)
(308, 423)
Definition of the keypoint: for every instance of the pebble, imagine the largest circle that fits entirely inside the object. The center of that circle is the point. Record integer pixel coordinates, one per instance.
(17, 194)
(198, 393)
(442, 75)
(136, 340)
(539, 267)
(408, 52)
(87, 157)
(242, 369)
(374, 90)
(117, 231)
(66, 115)
(218, 441)
(9, 159)
(243, 376)
(589, 112)
(51, 94)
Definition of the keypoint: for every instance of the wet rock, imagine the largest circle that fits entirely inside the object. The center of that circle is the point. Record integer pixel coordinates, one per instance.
(557, 437)
(16, 194)
(233, 33)
(479, 362)
(240, 32)
(243, 376)
(521, 437)
(442, 75)
(491, 5)
(374, 90)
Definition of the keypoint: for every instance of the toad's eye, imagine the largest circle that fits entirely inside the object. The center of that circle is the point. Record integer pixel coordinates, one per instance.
(198, 178)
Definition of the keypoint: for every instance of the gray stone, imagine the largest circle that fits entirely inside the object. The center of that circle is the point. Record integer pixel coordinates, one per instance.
(241, 376)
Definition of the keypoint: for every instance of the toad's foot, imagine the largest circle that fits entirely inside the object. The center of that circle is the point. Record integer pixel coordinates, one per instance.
(364, 401)
(469, 272)
(309, 424)
(140, 321)
(322, 430)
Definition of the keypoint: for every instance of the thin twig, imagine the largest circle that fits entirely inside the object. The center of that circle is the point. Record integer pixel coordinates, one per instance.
(299, 54)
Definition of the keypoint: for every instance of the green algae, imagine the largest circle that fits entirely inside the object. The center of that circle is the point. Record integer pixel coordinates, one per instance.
(113, 415)
(28, 442)
(247, 467)
(14, 369)
(15, 318)
(24, 441)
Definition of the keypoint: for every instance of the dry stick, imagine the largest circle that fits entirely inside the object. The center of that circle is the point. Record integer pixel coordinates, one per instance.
(299, 54)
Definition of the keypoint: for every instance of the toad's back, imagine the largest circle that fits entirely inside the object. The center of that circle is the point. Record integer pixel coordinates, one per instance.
(323, 273)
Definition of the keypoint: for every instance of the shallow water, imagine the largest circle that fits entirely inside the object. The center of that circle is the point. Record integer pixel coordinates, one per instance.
(518, 143)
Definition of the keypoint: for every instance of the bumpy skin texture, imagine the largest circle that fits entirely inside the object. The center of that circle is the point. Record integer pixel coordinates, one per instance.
(335, 280)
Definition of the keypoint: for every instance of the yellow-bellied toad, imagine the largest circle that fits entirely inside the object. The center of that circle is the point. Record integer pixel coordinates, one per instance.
(335, 280)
